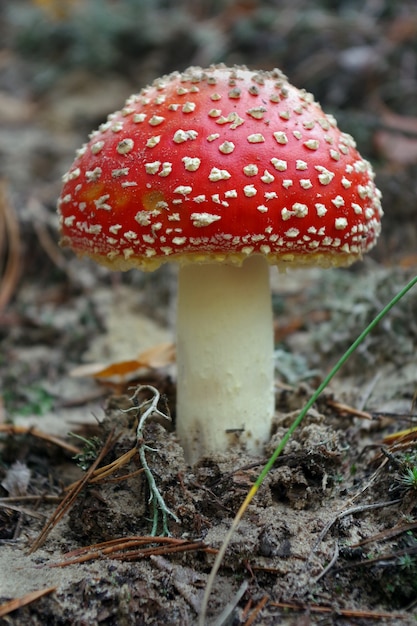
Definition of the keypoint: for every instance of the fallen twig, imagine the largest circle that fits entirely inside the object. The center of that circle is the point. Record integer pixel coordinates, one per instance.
(351, 511)
(185, 580)
(329, 565)
(386, 534)
(354, 613)
(36, 499)
(12, 429)
(131, 548)
(71, 496)
(19, 509)
(258, 608)
(340, 407)
(18, 603)
(393, 556)
(102, 473)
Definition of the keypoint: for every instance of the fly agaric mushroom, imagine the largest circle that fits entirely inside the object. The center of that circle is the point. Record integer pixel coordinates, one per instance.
(224, 171)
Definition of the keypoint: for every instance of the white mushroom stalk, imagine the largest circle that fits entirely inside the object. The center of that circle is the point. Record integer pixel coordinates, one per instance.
(225, 385)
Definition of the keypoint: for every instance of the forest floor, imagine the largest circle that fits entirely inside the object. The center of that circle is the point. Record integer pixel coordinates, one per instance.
(331, 536)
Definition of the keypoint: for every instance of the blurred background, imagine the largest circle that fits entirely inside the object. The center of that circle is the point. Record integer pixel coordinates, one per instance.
(66, 64)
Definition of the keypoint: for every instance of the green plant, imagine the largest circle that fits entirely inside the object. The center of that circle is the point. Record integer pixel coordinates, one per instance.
(30, 400)
(89, 453)
(409, 477)
(407, 562)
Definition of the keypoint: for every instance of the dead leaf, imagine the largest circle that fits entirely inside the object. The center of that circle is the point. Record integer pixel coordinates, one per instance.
(160, 355)
(409, 260)
(156, 357)
(17, 479)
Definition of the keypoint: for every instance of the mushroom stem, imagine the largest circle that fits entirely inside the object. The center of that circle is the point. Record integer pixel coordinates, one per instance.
(225, 357)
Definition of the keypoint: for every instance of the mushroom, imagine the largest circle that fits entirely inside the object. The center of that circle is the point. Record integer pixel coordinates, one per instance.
(224, 171)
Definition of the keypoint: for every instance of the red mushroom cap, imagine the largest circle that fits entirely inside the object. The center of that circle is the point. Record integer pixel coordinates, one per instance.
(214, 165)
